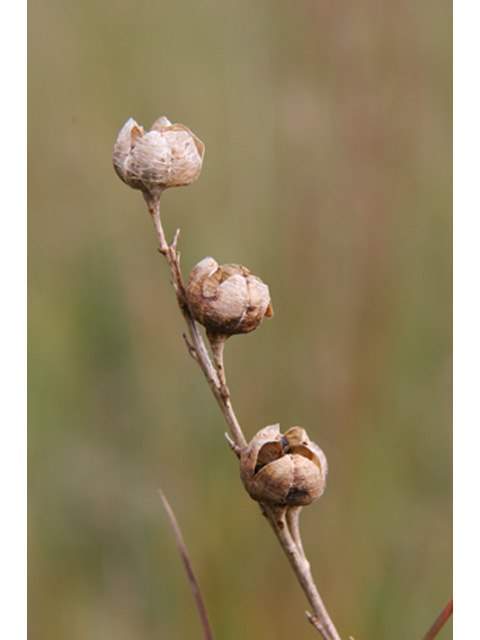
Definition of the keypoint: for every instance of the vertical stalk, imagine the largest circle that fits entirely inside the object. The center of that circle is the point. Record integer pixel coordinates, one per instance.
(320, 618)
(283, 521)
(195, 343)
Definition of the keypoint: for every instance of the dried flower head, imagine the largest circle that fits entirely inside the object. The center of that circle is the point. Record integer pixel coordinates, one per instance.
(286, 469)
(227, 299)
(169, 155)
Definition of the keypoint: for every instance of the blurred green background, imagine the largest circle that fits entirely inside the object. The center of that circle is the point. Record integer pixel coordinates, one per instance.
(328, 173)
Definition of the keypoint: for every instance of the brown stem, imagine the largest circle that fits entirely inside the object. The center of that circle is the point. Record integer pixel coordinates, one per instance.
(284, 524)
(196, 344)
(217, 344)
(293, 517)
(320, 618)
(197, 594)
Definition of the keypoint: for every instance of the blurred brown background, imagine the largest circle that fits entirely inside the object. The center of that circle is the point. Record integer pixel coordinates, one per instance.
(328, 173)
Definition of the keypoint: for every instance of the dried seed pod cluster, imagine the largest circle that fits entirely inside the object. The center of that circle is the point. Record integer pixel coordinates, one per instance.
(227, 299)
(169, 155)
(286, 469)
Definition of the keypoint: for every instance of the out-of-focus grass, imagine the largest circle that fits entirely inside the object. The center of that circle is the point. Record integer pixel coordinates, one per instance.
(327, 173)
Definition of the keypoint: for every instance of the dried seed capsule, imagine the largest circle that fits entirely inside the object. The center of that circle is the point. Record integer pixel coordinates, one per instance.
(286, 469)
(227, 299)
(169, 155)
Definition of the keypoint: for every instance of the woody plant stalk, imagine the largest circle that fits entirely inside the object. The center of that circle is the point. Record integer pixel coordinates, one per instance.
(282, 472)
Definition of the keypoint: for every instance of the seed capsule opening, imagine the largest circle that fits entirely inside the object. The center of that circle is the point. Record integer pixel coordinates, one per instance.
(283, 469)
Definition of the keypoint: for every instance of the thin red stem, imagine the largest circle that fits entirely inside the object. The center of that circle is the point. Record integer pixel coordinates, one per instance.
(440, 621)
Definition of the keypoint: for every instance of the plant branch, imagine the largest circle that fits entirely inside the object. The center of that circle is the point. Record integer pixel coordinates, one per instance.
(202, 611)
(293, 549)
(217, 343)
(196, 345)
(293, 517)
(283, 521)
(440, 621)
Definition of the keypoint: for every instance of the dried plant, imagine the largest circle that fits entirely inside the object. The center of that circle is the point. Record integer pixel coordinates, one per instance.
(282, 472)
